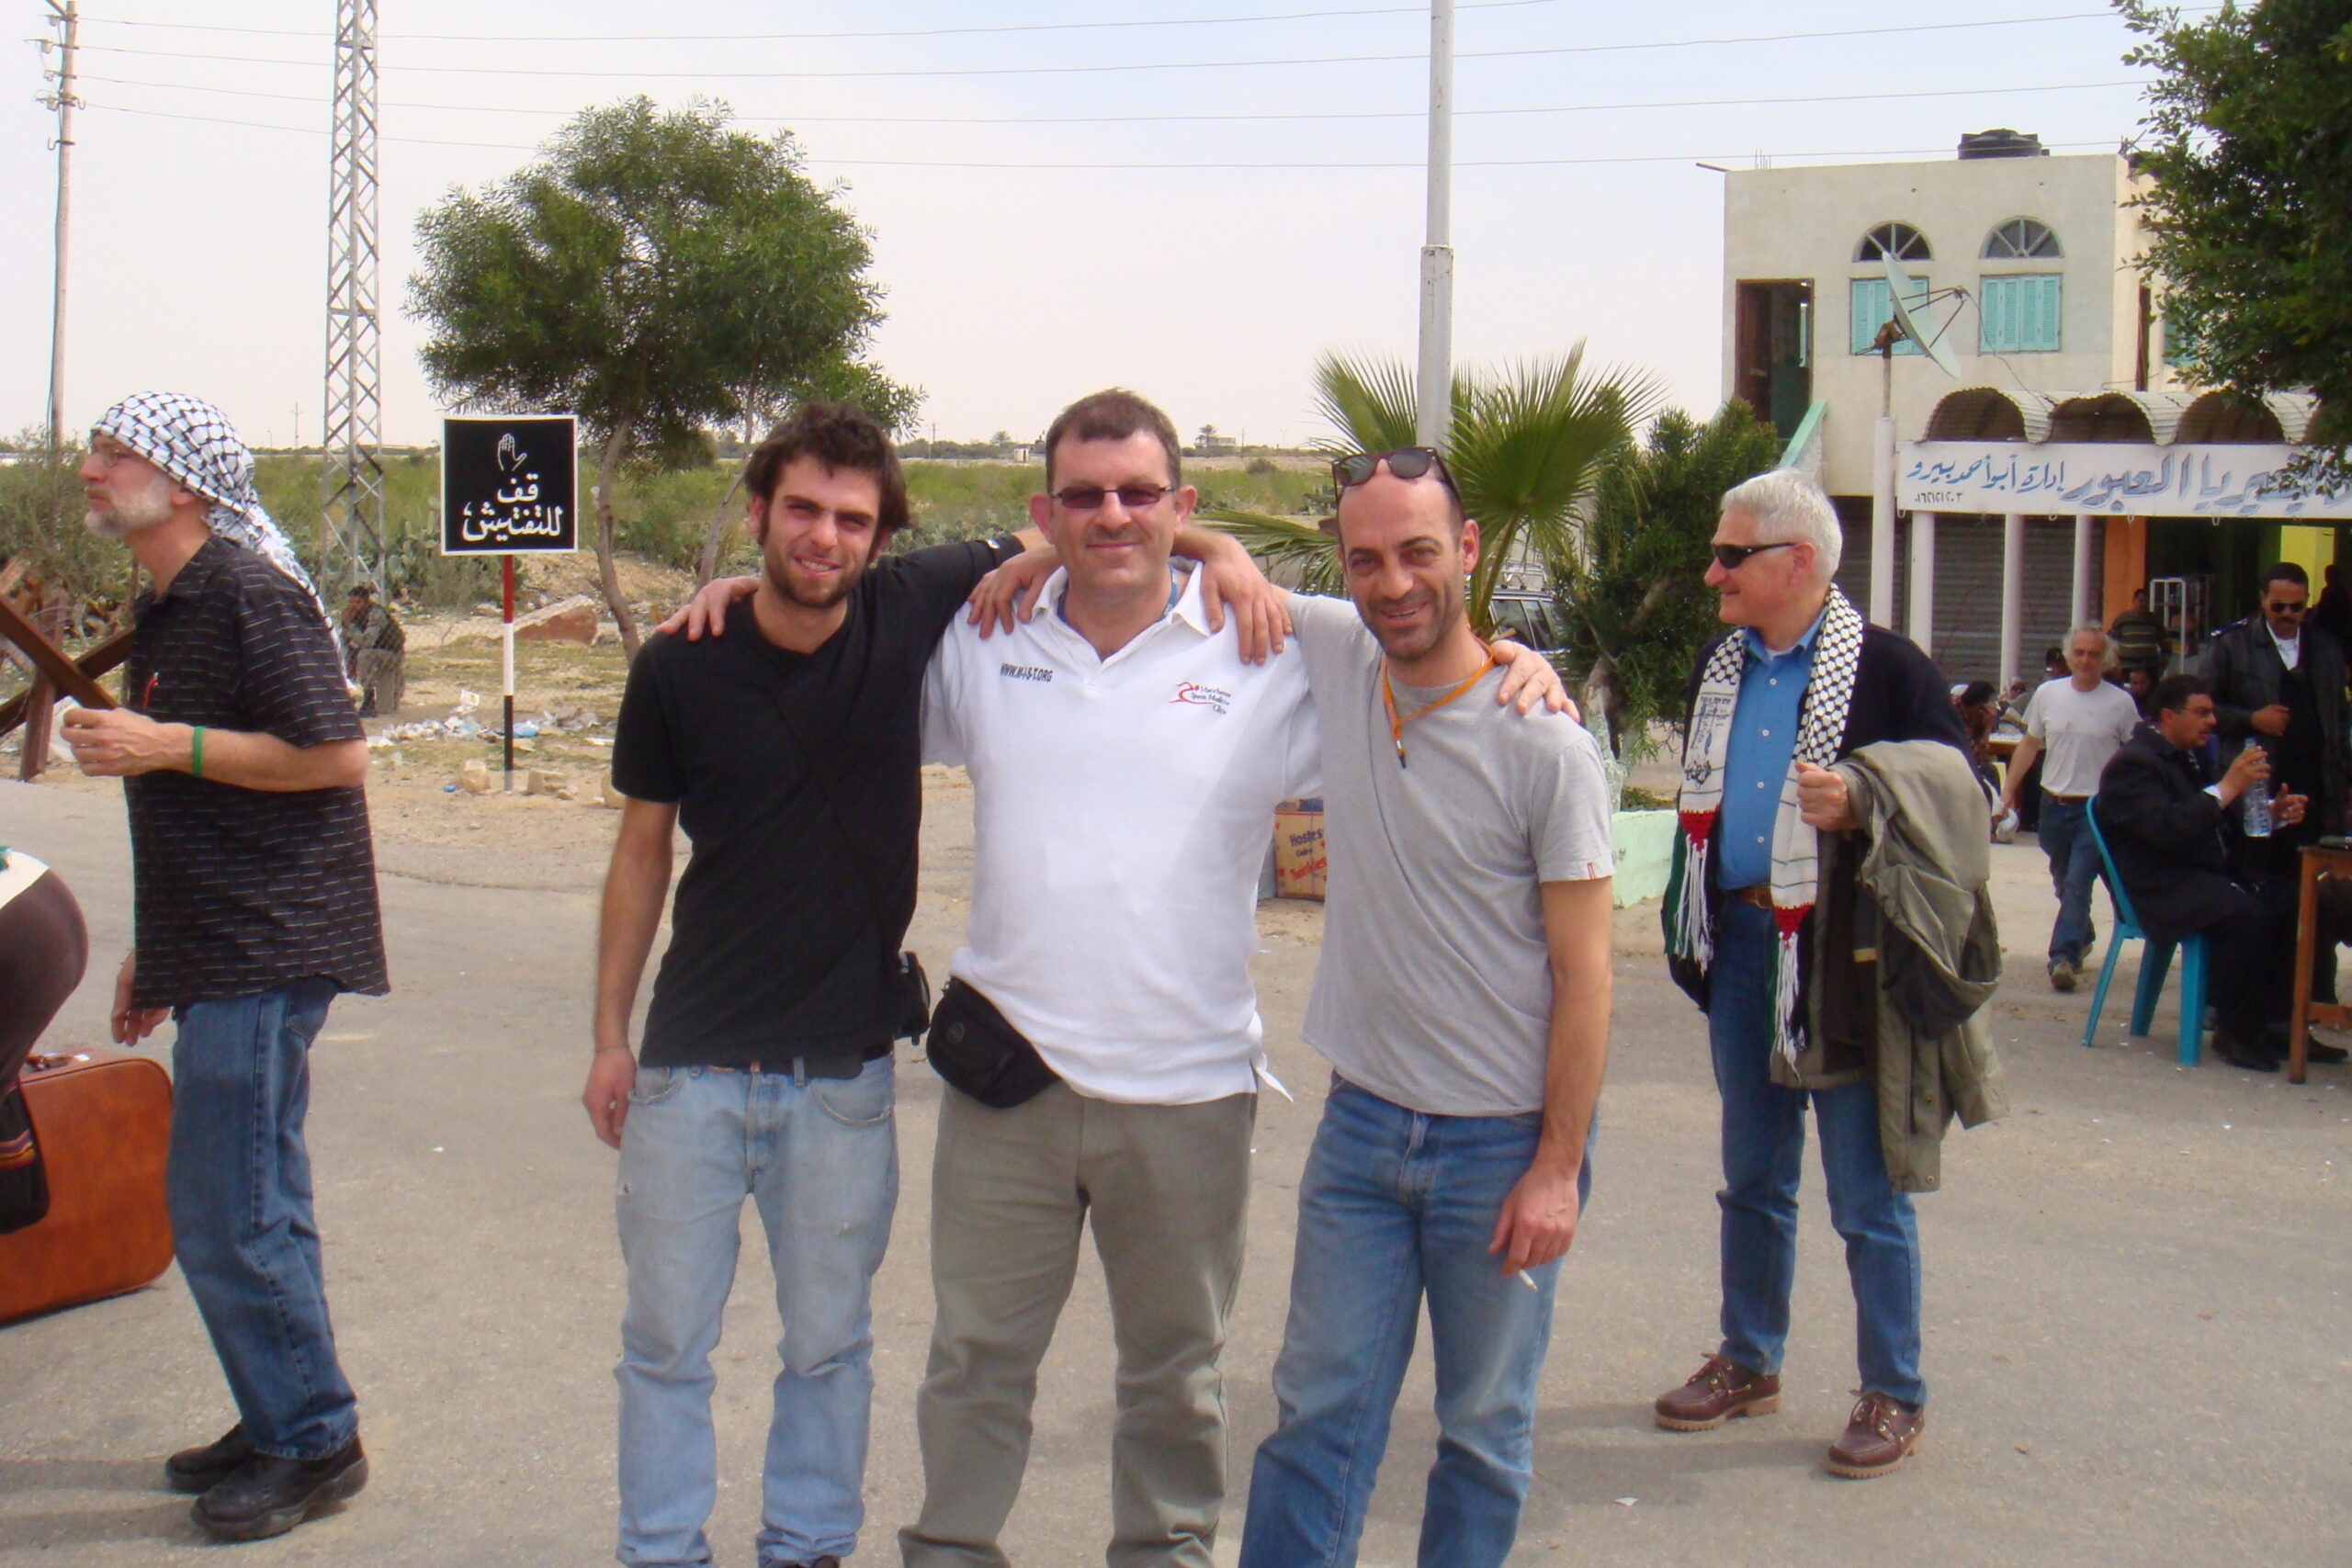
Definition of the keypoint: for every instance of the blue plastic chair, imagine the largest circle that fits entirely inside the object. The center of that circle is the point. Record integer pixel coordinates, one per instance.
(2154, 960)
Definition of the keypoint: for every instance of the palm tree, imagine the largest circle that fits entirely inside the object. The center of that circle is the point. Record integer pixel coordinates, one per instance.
(1526, 447)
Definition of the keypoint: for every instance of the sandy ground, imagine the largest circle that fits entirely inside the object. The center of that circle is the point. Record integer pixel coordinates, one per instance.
(2136, 1290)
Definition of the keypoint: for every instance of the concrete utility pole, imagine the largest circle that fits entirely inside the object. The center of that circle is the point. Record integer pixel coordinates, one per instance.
(65, 16)
(1433, 390)
(351, 532)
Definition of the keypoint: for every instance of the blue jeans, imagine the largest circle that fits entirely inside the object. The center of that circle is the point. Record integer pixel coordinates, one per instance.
(238, 1185)
(2074, 871)
(819, 1157)
(1395, 1205)
(1763, 1153)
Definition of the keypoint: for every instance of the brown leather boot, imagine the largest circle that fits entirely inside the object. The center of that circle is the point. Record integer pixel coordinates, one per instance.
(1716, 1392)
(1881, 1433)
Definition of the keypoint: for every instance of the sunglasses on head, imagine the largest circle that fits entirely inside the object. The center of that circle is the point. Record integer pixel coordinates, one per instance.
(1731, 557)
(1404, 462)
(1090, 497)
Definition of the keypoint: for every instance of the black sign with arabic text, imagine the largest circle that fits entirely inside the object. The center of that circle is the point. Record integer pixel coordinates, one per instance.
(509, 485)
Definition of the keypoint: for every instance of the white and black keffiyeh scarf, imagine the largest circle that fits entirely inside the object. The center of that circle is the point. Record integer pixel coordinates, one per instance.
(194, 443)
(1821, 724)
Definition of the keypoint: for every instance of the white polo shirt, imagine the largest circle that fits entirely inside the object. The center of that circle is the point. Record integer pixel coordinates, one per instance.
(1122, 807)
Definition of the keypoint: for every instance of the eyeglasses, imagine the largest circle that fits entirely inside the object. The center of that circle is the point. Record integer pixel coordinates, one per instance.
(1731, 557)
(1090, 497)
(109, 453)
(1404, 462)
(2286, 609)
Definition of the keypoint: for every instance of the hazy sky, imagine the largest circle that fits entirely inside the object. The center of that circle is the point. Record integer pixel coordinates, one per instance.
(1017, 277)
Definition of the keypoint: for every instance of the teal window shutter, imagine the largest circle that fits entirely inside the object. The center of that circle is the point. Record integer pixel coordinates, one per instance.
(1869, 311)
(2021, 314)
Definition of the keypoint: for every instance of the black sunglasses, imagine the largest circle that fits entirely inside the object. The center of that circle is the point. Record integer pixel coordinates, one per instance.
(2286, 609)
(1404, 462)
(1090, 497)
(1731, 557)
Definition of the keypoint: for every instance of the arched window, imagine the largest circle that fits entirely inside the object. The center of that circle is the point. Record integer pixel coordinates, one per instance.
(1897, 239)
(2021, 239)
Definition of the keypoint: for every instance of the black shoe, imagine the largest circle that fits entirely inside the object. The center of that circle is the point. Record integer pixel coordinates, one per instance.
(200, 1470)
(2254, 1057)
(267, 1495)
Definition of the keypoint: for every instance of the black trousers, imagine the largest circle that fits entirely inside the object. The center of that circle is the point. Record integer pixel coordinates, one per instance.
(2251, 967)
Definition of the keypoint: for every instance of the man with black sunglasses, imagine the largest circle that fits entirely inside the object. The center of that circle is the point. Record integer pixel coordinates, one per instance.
(1765, 920)
(2279, 682)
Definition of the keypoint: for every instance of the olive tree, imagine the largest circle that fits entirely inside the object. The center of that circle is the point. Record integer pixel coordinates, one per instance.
(657, 273)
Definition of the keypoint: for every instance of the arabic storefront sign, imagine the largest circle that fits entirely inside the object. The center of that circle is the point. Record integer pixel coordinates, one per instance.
(2039, 479)
(508, 485)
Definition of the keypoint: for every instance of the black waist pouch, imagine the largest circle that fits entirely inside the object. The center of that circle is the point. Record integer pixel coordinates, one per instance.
(981, 1054)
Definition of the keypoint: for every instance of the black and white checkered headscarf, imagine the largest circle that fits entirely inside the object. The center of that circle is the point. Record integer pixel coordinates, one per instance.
(194, 443)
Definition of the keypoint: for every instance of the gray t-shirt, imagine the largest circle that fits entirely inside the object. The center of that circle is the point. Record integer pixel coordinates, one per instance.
(1435, 986)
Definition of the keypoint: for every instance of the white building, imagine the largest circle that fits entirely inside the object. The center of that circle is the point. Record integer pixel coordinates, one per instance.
(2054, 308)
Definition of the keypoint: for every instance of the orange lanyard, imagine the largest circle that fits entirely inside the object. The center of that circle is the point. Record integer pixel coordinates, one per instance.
(1397, 722)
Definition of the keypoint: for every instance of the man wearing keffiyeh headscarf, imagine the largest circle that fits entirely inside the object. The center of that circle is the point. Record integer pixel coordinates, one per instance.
(253, 906)
(194, 444)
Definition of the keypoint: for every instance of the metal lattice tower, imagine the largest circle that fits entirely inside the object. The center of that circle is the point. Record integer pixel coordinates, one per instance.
(351, 531)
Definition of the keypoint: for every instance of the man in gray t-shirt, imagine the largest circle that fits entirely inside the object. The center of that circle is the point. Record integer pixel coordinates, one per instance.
(1462, 998)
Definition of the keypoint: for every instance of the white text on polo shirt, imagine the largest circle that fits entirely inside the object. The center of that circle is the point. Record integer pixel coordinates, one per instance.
(1025, 672)
(1198, 695)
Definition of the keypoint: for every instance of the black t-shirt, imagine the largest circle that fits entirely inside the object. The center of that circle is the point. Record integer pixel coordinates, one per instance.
(243, 890)
(797, 777)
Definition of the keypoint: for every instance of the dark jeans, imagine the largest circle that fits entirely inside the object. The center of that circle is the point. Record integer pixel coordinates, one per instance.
(239, 1187)
(2250, 964)
(1763, 1151)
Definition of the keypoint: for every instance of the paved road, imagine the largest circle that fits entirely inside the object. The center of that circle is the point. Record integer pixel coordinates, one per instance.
(2136, 1290)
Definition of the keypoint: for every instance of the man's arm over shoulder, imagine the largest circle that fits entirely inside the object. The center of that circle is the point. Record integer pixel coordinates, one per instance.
(940, 578)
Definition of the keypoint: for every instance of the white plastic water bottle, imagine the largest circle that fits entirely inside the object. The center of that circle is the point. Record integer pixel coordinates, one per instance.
(2255, 803)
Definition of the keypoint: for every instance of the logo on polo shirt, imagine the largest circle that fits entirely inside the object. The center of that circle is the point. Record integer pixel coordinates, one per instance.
(1025, 672)
(1201, 697)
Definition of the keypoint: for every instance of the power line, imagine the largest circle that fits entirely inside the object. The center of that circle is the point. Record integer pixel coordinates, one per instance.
(1212, 165)
(969, 71)
(1242, 117)
(1130, 25)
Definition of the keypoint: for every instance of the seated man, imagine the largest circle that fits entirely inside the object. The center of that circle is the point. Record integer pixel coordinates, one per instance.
(2164, 825)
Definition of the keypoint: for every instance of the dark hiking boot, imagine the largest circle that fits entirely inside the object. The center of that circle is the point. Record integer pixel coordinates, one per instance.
(267, 1495)
(199, 1470)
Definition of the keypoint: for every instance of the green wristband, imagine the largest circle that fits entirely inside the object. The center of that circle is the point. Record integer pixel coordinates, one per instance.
(196, 752)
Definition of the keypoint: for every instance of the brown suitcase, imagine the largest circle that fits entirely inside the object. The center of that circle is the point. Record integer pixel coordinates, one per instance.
(103, 1121)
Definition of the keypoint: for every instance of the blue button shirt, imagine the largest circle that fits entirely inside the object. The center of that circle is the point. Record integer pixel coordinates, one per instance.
(1755, 761)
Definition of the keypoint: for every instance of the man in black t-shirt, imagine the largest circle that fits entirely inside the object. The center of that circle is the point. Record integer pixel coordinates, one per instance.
(789, 754)
(254, 895)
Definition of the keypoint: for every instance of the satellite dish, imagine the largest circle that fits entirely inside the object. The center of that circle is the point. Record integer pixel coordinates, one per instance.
(1898, 284)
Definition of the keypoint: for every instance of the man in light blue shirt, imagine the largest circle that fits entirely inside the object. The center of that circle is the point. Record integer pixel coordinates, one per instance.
(1763, 737)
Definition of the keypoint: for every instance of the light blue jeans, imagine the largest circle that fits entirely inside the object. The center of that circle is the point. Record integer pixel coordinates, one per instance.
(819, 1157)
(1396, 1205)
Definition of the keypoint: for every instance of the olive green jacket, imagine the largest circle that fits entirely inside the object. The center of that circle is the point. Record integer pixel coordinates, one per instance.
(1907, 955)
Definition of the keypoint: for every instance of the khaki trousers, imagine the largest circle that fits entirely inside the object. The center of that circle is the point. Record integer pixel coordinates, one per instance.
(1168, 1188)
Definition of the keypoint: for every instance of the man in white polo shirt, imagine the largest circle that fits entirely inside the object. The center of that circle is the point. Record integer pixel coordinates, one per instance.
(1124, 765)
(1100, 1028)
(2074, 726)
